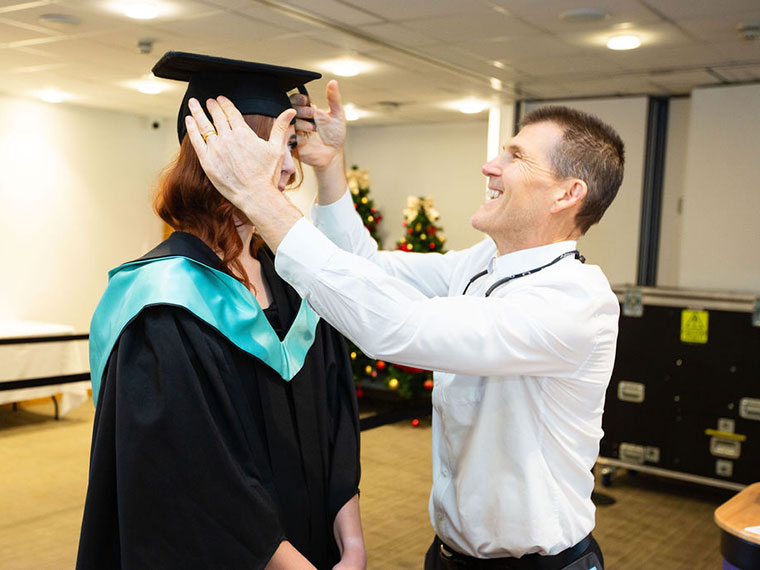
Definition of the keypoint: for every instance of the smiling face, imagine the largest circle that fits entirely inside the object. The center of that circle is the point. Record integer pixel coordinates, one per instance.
(522, 189)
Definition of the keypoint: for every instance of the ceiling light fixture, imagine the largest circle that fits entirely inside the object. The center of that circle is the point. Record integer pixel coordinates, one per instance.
(52, 95)
(496, 84)
(140, 10)
(471, 106)
(346, 67)
(619, 43)
(354, 114)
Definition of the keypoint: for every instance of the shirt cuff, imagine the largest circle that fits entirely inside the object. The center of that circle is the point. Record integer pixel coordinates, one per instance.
(301, 254)
(331, 215)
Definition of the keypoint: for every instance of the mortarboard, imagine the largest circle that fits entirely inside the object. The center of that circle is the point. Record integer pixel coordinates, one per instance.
(254, 88)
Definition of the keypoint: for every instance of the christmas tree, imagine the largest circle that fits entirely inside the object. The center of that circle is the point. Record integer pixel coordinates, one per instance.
(358, 183)
(421, 232)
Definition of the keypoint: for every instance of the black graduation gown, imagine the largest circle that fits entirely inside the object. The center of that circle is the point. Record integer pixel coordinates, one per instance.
(203, 456)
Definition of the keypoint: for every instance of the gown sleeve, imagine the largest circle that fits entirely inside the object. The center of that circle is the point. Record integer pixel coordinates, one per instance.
(176, 478)
(345, 469)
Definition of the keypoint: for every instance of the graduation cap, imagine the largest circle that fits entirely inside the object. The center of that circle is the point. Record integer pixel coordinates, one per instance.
(254, 88)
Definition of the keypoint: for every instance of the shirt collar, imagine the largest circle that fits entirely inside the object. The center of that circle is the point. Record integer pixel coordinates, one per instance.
(527, 259)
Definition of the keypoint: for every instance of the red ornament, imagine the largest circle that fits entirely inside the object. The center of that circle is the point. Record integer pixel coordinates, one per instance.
(415, 422)
(359, 393)
(405, 223)
(428, 384)
(410, 231)
(431, 230)
(432, 245)
(356, 206)
(380, 365)
(374, 374)
(372, 210)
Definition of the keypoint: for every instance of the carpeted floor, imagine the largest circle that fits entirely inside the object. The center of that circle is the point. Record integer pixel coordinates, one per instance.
(653, 524)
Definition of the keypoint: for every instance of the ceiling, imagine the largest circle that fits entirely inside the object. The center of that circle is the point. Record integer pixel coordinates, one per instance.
(425, 53)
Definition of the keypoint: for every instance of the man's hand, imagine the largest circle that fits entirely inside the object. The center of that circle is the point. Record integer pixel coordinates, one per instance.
(321, 143)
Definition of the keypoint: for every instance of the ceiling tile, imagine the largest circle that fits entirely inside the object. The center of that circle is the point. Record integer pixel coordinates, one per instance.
(12, 32)
(471, 26)
(337, 11)
(739, 73)
(546, 14)
(220, 27)
(683, 82)
(398, 34)
(682, 9)
(397, 10)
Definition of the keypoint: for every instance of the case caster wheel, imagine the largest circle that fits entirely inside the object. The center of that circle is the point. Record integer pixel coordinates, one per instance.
(608, 474)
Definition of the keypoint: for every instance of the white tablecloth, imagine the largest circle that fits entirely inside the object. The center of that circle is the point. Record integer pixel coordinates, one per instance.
(42, 360)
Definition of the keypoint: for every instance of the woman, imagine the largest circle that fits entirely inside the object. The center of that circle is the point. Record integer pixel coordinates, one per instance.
(226, 431)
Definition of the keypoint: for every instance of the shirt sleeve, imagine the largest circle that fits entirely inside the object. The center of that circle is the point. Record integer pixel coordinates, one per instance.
(173, 482)
(429, 273)
(534, 331)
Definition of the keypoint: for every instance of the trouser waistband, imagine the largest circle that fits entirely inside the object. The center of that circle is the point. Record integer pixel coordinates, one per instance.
(526, 562)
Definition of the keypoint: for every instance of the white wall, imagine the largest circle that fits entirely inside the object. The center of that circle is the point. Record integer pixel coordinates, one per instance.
(75, 201)
(441, 160)
(721, 223)
(671, 218)
(613, 244)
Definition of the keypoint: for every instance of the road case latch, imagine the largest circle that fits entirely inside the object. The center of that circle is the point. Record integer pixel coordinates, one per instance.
(632, 305)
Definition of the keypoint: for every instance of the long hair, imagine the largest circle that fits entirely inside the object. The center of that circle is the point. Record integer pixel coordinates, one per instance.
(187, 201)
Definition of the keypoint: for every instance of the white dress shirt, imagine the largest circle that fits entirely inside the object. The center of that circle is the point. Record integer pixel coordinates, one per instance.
(520, 376)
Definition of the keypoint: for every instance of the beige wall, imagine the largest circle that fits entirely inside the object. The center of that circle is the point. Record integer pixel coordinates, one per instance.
(721, 210)
(441, 160)
(75, 199)
(671, 217)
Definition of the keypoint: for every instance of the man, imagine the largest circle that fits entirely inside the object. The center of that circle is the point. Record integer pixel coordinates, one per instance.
(520, 332)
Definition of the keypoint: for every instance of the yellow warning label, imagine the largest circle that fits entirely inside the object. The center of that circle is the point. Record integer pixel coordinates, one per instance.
(694, 326)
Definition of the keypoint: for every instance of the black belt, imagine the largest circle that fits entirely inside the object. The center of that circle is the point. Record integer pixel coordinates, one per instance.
(527, 562)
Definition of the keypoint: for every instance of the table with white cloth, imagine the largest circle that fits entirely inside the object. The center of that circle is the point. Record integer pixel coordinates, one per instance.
(40, 360)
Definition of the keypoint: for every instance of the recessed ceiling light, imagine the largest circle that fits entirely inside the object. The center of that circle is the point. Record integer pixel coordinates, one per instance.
(496, 84)
(354, 114)
(470, 106)
(140, 10)
(623, 42)
(148, 84)
(584, 15)
(346, 67)
(499, 64)
(52, 95)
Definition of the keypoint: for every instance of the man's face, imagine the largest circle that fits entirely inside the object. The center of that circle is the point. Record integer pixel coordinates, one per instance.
(520, 180)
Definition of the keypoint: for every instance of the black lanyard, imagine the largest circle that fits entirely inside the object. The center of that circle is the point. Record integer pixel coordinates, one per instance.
(505, 280)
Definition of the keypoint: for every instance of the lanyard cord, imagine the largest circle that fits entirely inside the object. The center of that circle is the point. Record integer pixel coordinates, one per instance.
(505, 280)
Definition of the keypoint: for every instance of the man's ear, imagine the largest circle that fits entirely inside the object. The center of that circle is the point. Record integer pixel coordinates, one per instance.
(573, 192)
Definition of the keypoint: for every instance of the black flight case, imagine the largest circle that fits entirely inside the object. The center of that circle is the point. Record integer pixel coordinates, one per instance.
(684, 398)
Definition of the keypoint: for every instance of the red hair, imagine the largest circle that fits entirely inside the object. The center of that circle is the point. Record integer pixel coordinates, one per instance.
(188, 202)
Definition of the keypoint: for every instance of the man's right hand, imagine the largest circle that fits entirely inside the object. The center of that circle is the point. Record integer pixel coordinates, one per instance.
(320, 144)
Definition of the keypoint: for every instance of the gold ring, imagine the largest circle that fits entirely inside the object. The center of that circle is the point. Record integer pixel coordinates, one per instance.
(207, 134)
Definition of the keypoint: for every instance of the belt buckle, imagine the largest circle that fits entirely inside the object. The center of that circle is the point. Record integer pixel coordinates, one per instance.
(446, 553)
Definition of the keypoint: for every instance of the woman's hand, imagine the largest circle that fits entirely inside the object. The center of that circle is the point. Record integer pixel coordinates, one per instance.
(242, 166)
(320, 142)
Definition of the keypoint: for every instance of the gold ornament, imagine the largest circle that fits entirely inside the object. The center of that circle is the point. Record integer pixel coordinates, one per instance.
(423, 236)
(418, 227)
(353, 356)
(368, 370)
(441, 238)
(357, 178)
(364, 200)
(393, 383)
(370, 219)
(413, 205)
(403, 240)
